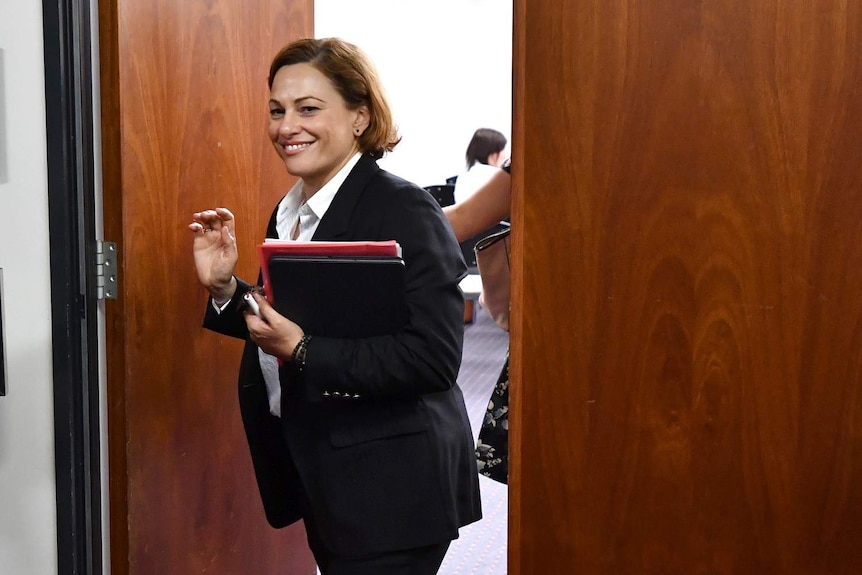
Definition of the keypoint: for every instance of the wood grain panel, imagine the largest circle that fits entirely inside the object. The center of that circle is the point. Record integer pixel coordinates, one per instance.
(186, 113)
(686, 372)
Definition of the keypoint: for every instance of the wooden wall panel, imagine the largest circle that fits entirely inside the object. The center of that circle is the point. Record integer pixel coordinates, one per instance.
(686, 368)
(185, 104)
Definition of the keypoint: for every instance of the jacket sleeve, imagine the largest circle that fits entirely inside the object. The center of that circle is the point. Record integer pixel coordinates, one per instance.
(230, 321)
(424, 357)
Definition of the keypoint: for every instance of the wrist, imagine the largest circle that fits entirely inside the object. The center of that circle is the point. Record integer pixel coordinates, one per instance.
(223, 293)
(300, 350)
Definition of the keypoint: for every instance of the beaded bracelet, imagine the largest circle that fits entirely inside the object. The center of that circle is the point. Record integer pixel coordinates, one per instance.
(297, 358)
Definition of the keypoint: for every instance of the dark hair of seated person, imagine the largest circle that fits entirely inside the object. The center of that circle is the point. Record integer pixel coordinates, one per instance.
(484, 143)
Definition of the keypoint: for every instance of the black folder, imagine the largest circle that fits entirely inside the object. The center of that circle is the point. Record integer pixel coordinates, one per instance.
(340, 296)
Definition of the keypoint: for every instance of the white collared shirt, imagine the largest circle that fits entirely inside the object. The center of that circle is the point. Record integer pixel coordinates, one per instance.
(473, 179)
(309, 213)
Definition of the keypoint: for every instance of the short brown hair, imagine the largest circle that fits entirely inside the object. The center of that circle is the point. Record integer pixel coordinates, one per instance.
(354, 77)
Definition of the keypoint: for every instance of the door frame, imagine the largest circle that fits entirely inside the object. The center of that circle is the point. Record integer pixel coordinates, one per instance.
(70, 164)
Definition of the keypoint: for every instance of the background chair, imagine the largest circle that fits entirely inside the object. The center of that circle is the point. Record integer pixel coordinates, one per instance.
(443, 193)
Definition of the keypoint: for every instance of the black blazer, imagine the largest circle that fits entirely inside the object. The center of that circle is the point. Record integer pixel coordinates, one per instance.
(394, 469)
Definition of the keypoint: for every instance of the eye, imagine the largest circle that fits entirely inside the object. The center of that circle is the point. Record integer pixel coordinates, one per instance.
(276, 112)
(308, 110)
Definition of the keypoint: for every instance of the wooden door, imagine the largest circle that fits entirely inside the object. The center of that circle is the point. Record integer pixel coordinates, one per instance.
(184, 103)
(687, 328)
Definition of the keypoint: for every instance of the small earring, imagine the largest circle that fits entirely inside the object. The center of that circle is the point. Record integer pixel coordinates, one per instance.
(358, 131)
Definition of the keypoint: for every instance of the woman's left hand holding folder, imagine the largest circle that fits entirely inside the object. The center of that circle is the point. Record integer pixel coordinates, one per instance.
(272, 332)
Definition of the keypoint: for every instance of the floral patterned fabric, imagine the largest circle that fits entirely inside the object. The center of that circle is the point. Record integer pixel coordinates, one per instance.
(492, 447)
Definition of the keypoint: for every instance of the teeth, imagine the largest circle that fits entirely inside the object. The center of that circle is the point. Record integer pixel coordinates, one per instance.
(294, 147)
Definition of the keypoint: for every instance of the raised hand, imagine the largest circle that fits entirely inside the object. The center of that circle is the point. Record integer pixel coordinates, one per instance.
(215, 251)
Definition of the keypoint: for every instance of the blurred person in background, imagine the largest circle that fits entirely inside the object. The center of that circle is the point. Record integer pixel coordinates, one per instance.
(485, 154)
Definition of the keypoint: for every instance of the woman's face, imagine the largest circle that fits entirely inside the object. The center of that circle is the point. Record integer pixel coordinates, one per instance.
(497, 159)
(310, 126)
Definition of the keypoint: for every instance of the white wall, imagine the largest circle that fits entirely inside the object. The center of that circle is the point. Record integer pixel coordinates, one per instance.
(28, 540)
(446, 66)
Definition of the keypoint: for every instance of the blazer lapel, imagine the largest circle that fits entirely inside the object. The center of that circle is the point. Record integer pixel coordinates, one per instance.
(271, 231)
(335, 222)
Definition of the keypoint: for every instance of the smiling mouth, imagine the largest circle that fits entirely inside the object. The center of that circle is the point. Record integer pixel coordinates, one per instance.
(296, 147)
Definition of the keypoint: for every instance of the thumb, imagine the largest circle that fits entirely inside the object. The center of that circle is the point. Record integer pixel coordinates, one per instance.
(227, 237)
(266, 310)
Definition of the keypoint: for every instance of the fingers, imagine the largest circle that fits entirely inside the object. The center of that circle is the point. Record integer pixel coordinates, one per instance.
(269, 320)
(279, 324)
(211, 220)
(228, 236)
(272, 332)
(255, 324)
(259, 328)
(225, 214)
(266, 310)
(255, 319)
(200, 230)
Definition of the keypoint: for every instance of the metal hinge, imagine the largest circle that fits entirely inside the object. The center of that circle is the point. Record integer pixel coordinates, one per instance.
(106, 270)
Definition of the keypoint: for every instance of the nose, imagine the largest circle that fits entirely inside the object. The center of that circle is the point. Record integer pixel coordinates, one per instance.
(287, 125)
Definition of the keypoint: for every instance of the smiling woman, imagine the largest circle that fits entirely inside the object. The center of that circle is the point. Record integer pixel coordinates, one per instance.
(384, 480)
(312, 130)
(320, 110)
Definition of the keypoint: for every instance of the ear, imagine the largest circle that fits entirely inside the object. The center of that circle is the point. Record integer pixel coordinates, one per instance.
(361, 120)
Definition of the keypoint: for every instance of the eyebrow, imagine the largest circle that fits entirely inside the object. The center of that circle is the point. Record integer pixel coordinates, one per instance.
(298, 100)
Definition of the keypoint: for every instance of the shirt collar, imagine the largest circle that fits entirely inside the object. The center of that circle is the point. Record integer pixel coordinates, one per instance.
(318, 203)
(321, 200)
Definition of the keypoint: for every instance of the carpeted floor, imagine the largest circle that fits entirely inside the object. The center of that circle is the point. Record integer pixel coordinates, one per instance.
(481, 548)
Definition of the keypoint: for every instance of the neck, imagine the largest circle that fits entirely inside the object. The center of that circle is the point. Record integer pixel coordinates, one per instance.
(309, 189)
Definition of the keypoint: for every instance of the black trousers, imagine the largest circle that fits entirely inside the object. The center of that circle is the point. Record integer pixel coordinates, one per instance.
(419, 561)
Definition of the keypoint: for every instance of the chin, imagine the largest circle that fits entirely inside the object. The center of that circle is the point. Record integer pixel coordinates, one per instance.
(294, 167)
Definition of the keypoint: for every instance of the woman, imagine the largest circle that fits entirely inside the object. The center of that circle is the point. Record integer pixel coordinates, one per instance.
(485, 155)
(490, 204)
(366, 440)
